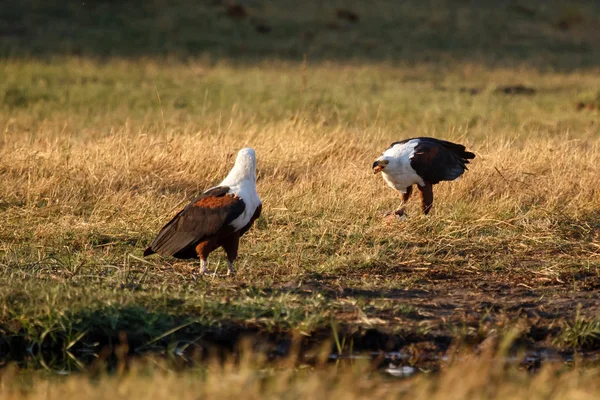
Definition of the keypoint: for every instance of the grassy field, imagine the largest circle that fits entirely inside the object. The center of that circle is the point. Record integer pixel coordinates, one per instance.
(107, 129)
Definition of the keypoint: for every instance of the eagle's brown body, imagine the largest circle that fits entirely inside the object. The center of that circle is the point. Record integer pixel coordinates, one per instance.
(202, 227)
(217, 218)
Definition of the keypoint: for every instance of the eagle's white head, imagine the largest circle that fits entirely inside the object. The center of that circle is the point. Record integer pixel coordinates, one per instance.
(244, 168)
(395, 159)
(380, 164)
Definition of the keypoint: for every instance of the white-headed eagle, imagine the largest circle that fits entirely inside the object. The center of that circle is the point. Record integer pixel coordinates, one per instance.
(423, 161)
(218, 218)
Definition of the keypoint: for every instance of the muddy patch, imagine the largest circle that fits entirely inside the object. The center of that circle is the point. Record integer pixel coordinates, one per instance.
(550, 320)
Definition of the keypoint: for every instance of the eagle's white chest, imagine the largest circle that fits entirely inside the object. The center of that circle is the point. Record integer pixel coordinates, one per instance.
(245, 190)
(399, 174)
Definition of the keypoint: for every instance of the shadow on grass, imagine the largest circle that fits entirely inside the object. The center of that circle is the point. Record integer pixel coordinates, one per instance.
(559, 35)
(109, 335)
(113, 335)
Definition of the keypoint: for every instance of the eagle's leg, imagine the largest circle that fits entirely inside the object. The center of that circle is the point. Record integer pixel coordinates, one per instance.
(203, 250)
(203, 266)
(230, 269)
(405, 196)
(231, 246)
(426, 197)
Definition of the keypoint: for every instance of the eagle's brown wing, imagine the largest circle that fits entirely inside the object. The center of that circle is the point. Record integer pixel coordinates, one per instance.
(437, 160)
(205, 216)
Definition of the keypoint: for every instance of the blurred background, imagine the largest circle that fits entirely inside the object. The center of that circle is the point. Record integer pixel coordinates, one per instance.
(559, 35)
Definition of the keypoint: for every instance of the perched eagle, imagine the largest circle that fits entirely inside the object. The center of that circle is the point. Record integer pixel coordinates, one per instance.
(424, 161)
(218, 218)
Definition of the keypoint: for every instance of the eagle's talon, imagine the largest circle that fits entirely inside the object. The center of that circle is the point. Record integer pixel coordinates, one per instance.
(400, 213)
(230, 269)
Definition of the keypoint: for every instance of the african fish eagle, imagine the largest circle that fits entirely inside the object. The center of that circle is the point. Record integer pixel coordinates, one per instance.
(423, 161)
(218, 218)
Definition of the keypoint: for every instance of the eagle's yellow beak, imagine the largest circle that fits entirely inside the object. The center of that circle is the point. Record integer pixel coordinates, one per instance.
(379, 165)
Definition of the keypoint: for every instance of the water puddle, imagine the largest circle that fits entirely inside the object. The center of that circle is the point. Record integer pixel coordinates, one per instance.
(404, 371)
(401, 364)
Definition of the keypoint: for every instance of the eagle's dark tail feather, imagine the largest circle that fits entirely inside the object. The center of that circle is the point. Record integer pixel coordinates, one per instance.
(467, 155)
(460, 151)
(148, 252)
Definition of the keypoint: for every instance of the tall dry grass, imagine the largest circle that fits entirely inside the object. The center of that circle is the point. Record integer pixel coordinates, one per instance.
(472, 377)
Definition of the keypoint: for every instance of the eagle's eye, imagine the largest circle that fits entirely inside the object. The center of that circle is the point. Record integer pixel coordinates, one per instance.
(379, 165)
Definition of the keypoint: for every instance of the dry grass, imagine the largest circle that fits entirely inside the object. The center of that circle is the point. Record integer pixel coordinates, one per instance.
(481, 377)
(322, 204)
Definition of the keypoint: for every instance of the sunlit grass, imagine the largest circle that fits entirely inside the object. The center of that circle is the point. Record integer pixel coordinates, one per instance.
(87, 183)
